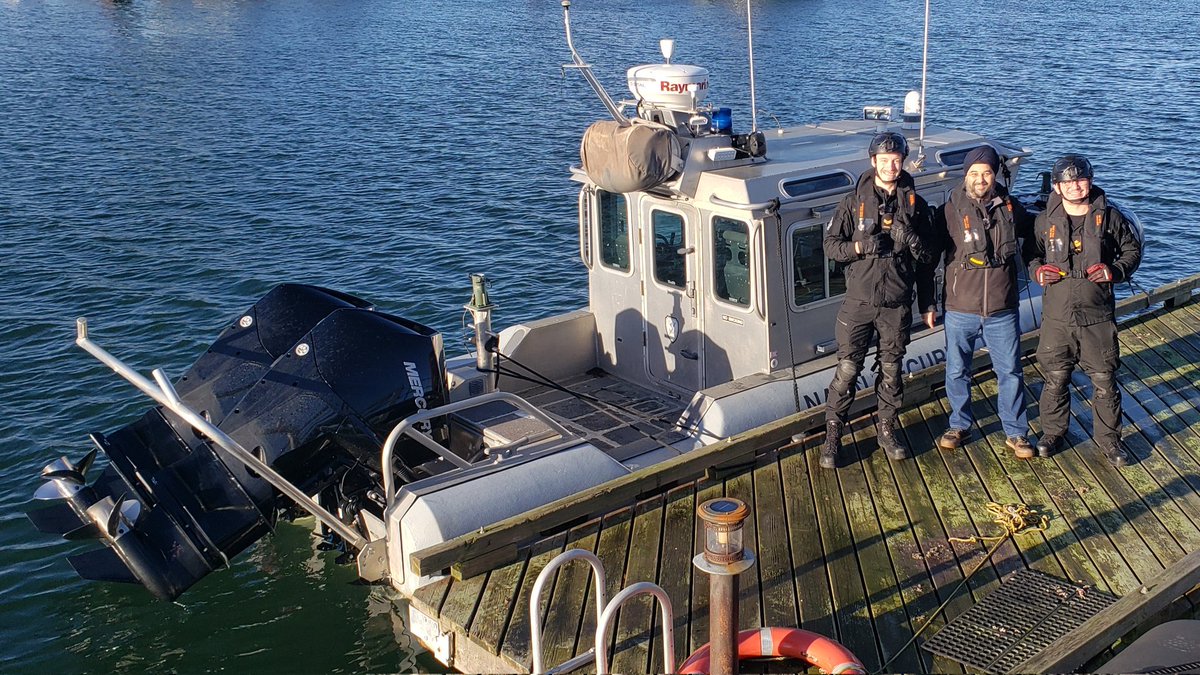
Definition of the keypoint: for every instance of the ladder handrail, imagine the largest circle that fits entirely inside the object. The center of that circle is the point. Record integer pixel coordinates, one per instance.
(668, 621)
(535, 600)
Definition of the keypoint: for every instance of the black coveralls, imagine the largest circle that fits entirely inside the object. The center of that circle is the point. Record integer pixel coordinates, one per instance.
(879, 288)
(1078, 316)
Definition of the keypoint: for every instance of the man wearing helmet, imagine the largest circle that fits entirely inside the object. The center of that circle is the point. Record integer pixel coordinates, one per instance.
(977, 233)
(879, 233)
(1081, 246)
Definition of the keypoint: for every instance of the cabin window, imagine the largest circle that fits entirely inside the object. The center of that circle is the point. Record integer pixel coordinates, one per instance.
(815, 277)
(814, 184)
(954, 158)
(614, 230)
(731, 271)
(669, 263)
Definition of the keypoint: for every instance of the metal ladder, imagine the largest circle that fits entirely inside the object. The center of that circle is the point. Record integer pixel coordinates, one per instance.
(605, 612)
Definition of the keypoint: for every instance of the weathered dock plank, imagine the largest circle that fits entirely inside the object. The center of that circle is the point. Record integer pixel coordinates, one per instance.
(675, 571)
(639, 618)
(571, 594)
(776, 573)
(814, 600)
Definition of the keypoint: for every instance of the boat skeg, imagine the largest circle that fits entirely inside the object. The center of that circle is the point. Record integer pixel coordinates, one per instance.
(311, 381)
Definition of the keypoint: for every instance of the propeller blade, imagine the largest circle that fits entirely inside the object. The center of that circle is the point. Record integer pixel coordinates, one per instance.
(102, 564)
(113, 524)
(57, 519)
(56, 489)
(87, 531)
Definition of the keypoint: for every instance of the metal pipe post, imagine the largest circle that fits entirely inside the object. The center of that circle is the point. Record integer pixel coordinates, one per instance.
(723, 618)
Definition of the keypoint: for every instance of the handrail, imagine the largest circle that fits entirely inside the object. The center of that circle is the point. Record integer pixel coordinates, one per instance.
(668, 621)
(405, 428)
(164, 394)
(535, 600)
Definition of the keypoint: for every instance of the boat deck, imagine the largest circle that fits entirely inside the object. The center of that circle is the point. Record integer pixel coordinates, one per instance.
(866, 552)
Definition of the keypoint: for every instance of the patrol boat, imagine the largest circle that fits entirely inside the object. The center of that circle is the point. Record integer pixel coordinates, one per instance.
(711, 312)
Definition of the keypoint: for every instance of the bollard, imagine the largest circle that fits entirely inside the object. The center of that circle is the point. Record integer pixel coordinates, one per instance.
(723, 559)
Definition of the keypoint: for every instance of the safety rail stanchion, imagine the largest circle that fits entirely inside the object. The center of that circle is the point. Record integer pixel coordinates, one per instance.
(535, 601)
(406, 428)
(668, 621)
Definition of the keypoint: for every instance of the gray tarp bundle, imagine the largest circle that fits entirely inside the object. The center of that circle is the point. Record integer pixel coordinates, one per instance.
(630, 158)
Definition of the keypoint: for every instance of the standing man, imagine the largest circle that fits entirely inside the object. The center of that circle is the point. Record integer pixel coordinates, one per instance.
(977, 234)
(878, 231)
(1081, 246)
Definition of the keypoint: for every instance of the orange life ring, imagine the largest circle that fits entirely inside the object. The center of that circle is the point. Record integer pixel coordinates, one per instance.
(824, 653)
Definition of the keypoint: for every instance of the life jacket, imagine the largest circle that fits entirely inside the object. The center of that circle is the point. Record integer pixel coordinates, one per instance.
(988, 235)
(1075, 256)
(872, 218)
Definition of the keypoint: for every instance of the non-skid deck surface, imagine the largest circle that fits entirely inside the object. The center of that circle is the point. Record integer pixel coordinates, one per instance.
(864, 553)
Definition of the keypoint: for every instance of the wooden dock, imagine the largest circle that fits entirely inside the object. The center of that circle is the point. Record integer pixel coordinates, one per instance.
(863, 553)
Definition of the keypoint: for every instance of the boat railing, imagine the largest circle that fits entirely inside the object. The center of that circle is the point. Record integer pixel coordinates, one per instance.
(407, 427)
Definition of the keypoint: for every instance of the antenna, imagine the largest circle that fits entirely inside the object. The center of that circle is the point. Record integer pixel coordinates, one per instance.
(586, 70)
(924, 71)
(750, 52)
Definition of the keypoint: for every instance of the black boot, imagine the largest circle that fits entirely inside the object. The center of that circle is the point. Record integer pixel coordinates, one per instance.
(1115, 453)
(833, 444)
(891, 445)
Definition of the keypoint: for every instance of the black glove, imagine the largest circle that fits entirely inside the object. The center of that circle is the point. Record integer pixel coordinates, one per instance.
(877, 245)
(904, 236)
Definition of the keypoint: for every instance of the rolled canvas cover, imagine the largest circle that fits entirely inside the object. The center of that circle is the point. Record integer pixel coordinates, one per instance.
(630, 158)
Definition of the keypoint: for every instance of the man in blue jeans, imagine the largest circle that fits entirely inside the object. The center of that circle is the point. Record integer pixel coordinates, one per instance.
(976, 236)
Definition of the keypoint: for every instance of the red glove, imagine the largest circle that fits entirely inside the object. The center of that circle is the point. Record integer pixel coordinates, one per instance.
(1100, 273)
(1048, 274)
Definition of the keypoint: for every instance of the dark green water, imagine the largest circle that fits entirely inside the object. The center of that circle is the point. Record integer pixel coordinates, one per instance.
(163, 164)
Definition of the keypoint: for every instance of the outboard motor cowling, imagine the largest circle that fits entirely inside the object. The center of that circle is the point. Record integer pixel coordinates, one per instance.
(172, 506)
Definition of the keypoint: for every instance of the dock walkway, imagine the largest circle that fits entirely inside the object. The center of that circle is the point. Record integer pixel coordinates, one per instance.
(865, 552)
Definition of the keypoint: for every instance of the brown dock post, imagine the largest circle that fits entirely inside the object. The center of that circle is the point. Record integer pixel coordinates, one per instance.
(723, 559)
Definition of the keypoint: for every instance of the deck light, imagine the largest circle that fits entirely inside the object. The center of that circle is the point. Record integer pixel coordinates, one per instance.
(723, 521)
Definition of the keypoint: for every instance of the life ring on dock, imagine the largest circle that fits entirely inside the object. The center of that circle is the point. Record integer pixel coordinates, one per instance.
(823, 652)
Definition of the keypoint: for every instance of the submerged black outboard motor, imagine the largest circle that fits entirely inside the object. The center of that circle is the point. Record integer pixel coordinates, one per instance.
(309, 380)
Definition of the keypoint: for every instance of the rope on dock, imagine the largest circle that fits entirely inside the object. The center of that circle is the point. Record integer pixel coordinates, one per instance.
(1014, 518)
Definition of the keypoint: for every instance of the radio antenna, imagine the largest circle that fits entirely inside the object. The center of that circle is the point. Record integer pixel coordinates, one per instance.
(924, 72)
(750, 52)
(586, 69)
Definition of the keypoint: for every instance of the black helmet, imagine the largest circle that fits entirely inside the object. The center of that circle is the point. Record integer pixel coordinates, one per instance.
(888, 141)
(1071, 167)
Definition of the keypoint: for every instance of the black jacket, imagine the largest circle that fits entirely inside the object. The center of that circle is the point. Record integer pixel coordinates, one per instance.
(979, 244)
(887, 280)
(1106, 238)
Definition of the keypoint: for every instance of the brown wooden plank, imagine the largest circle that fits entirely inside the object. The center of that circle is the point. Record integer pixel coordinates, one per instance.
(516, 644)
(675, 570)
(462, 601)
(429, 597)
(1105, 628)
(887, 607)
(741, 486)
(814, 600)
(852, 610)
(613, 550)
(640, 617)
(903, 508)
(569, 597)
(1077, 538)
(776, 574)
(496, 605)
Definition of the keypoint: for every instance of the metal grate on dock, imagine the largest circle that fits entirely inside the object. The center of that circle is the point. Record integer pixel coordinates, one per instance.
(1027, 613)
